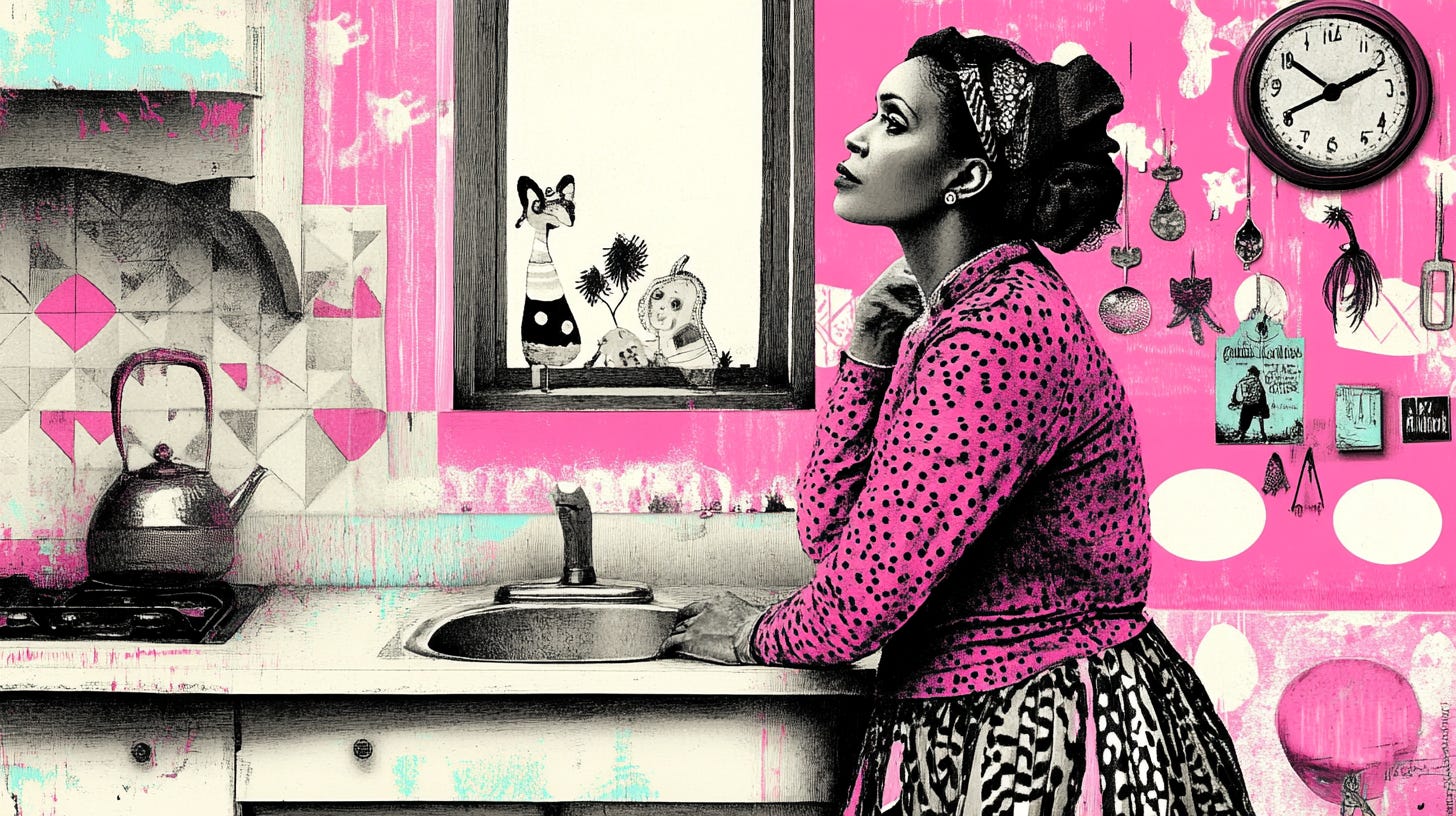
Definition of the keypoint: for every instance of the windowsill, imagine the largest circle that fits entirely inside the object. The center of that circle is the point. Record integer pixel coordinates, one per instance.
(589, 398)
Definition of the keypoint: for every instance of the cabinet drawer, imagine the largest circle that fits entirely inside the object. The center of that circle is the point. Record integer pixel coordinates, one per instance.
(548, 749)
(117, 754)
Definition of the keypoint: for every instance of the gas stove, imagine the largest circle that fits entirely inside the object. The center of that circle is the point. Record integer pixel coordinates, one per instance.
(210, 613)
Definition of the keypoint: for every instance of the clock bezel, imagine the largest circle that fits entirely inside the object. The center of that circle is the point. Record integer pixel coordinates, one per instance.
(1265, 143)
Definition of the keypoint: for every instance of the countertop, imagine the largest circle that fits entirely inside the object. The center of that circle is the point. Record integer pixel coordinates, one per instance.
(344, 641)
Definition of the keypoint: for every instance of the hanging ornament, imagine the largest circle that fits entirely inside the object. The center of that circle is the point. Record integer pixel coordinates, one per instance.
(1125, 310)
(1308, 495)
(1168, 221)
(1438, 268)
(1258, 292)
(1191, 297)
(1276, 481)
(1353, 270)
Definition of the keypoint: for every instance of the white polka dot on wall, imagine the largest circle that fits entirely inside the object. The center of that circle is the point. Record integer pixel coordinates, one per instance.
(1206, 514)
(1227, 665)
(540, 318)
(1387, 521)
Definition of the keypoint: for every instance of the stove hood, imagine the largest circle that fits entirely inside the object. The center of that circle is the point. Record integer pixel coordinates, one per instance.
(243, 129)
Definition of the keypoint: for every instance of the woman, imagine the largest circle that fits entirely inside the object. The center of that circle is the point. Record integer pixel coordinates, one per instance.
(975, 500)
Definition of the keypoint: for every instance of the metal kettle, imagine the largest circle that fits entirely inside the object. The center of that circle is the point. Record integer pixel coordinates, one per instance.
(167, 524)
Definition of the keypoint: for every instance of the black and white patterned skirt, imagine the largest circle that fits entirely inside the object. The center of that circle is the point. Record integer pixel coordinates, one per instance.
(1160, 748)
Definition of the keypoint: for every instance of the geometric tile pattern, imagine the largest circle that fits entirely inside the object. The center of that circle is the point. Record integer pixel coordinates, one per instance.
(95, 266)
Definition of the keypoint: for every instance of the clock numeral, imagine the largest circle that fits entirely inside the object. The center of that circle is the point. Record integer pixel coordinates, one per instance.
(1286, 60)
(1331, 146)
(1288, 119)
(1306, 42)
(1277, 86)
(1389, 88)
(1306, 136)
(1333, 35)
(1381, 123)
(1364, 46)
(1365, 137)
(1380, 58)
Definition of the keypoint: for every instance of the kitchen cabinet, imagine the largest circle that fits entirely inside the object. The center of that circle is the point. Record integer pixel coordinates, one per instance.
(95, 754)
(765, 750)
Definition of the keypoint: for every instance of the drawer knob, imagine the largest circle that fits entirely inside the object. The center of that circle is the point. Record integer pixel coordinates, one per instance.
(141, 752)
(363, 749)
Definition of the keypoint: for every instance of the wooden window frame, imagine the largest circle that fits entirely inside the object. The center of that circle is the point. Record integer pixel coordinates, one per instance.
(784, 375)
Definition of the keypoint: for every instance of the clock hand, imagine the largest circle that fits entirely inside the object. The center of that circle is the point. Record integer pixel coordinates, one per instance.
(1303, 70)
(1360, 77)
(1289, 114)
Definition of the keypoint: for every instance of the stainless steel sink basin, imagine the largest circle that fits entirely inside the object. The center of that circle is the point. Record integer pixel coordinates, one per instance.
(547, 633)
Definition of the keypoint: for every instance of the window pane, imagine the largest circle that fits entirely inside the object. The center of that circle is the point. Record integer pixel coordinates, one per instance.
(655, 108)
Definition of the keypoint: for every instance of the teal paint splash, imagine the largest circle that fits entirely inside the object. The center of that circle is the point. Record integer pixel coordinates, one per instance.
(18, 775)
(513, 780)
(406, 774)
(81, 43)
(629, 783)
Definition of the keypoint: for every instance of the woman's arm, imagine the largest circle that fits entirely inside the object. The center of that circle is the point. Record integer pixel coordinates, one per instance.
(843, 445)
(982, 413)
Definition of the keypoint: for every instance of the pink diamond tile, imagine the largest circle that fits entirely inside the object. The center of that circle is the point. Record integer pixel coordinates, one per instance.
(353, 430)
(237, 372)
(365, 303)
(76, 311)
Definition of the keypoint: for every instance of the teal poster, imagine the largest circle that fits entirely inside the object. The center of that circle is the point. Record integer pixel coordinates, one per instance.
(1260, 385)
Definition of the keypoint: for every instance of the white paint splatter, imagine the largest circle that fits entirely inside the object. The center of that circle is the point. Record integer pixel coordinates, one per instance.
(1134, 139)
(1433, 664)
(337, 37)
(1313, 204)
(1226, 663)
(1238, 31)
(1445, 171)
(1066, 52)
(1223, 190)
(391, 119)
(1196, 37)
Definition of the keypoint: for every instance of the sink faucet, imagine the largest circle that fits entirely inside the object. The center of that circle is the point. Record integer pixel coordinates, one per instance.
(578, 582)
(575, 513)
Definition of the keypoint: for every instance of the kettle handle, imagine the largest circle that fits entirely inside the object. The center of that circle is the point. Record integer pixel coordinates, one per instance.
(158, 356)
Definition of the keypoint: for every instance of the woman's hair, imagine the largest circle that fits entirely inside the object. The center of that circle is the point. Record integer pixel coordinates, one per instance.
(1042, 128)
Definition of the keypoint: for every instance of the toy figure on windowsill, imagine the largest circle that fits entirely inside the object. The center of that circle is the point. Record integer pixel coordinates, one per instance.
(673, 310)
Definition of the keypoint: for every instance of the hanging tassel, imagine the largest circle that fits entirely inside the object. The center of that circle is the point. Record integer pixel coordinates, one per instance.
(1308, 488)
(1355, 269)
(1276, 481)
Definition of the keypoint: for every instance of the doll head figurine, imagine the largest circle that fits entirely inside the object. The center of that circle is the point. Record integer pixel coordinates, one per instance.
(672, 309)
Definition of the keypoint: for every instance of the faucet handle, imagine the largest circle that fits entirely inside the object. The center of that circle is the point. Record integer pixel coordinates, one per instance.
(574, 512)
(569, 494)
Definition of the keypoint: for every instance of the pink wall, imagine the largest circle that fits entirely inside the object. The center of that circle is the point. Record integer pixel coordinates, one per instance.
(1295, 563)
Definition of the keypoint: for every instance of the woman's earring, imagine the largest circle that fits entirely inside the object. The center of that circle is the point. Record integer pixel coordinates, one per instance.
(951, 198)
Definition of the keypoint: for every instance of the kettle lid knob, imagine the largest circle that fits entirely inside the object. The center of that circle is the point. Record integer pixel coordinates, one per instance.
(162, 453)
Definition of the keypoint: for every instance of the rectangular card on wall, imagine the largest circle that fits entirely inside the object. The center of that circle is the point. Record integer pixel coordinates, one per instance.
(1259, 385)
(1425, 419)
(1358, 425)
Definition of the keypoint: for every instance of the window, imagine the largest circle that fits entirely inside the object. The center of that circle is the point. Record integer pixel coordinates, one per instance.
(687, 130)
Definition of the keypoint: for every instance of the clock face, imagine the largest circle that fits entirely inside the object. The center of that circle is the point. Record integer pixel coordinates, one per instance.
(1332, 94)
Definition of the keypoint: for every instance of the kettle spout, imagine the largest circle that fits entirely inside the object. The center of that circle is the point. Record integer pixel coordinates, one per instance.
(238, 501)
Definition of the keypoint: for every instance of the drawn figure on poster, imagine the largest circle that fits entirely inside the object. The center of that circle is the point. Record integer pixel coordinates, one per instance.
(1251, 401)
(673, 310)
(1260, 373)
(976, 500)
(549, 335)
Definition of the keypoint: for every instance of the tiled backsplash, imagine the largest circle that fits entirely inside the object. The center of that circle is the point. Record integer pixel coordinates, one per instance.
(96, 266)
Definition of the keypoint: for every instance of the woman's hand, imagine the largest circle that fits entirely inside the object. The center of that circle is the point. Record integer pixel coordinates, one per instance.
(709, 630)
(883, 313)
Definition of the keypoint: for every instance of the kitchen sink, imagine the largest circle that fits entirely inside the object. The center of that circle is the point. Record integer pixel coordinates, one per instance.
(547, 632)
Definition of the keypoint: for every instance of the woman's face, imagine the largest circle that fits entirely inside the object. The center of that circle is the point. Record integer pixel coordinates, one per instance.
(899, 168)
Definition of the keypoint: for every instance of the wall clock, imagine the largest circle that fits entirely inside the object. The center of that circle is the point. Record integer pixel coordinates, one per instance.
(1332, 94)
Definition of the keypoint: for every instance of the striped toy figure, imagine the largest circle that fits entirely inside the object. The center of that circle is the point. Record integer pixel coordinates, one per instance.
(673, 310)
(549, 336)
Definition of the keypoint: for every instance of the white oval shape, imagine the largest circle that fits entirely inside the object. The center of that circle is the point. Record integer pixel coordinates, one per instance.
(1206, 514)
(567, 326)
(540, 318)
(1226, 664)
(1261, 290)
(1387, 521)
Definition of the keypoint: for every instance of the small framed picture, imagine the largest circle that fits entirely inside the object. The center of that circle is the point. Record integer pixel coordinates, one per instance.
(1358, 418)
(1425, 419)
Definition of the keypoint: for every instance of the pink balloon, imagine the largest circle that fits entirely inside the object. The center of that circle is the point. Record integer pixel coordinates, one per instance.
(1347, 716)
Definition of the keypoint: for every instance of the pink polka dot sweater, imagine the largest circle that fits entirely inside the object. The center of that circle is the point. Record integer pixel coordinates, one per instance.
(979, 511)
